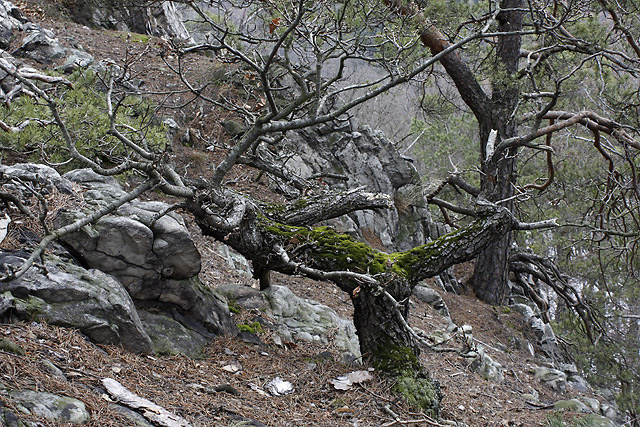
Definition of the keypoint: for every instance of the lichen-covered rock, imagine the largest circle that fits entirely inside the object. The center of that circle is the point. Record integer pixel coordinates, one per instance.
(171, 338)
(52, 407)
(243, 296)
(309, 320)
(573, 405)
(487, 368)
(554, 378)
(68, 295)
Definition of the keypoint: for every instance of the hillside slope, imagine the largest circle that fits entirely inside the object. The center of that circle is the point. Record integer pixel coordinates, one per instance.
(228, 385)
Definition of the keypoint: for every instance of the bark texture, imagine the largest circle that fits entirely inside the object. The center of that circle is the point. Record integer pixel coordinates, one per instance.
(493, 113)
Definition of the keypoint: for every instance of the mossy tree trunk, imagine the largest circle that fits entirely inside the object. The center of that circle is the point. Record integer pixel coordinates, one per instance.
(369, 276)
(380, 330)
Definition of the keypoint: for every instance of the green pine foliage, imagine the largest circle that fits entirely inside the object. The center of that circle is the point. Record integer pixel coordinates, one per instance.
(83, 108)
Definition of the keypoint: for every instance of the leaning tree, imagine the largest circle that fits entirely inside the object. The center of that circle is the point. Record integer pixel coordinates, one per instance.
(300, 60)
(536, 75)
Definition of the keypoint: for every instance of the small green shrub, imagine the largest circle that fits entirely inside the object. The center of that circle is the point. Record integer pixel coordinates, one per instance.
(83, 108)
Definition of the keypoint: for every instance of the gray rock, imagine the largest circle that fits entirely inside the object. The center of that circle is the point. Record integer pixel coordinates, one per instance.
(554, 378)
(11, 347)
(136, 419)
(135, 245)
(161, 19)
(304, 319)
(487, 368)
(244, 296)
(593, 404)
(41, 176)
(543, 331)
(76, 59)
(611, 412)
(89, 300)
(170, 337)
(53, 369)
(236, 261)
(426, 294)
(11, 20)
(197, 307)
(40, 45)
(366, 158)
(573, 405)
(101, 189)
(52, 407)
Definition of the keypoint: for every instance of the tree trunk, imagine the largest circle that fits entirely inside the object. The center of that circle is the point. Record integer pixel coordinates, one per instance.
(491, 270)
(383, 335)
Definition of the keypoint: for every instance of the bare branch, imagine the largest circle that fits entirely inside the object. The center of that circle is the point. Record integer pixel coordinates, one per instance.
(75, 226)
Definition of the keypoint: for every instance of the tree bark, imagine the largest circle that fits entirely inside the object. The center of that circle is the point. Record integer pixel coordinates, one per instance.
(492, 113)
(498, 181)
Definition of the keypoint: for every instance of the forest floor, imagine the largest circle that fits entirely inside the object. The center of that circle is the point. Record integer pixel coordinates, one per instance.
(183, 385)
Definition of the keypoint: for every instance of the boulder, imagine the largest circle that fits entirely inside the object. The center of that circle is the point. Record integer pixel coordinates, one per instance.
(11, 20)
(65, 294)
(311, 321)
(554, 378)
(243, 296)
(426, 294)
(44, 178)
(572, 405)
(148, 251)
(52, 407)
(39, 44)
(136, 245)
(76, 59)
(600, 421)
(171, 338)
(487, 368)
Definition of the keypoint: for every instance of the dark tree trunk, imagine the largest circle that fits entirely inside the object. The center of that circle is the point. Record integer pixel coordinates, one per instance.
(383, 336)
(490, 275)
(492, 113)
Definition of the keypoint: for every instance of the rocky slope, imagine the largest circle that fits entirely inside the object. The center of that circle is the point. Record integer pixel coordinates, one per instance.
(493, 370)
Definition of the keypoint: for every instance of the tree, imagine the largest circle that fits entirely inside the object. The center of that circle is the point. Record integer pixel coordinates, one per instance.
(298, 59)
(510, 116)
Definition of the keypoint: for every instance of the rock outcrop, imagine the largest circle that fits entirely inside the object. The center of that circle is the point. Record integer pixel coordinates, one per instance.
(160, 19)
(139, 253)
(366, 158)
(64, 294)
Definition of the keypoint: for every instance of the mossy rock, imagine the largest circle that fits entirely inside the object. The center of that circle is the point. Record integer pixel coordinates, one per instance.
(421, 392)
(11, 347)
(253, 328)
